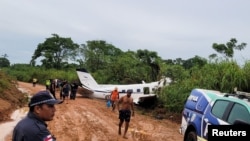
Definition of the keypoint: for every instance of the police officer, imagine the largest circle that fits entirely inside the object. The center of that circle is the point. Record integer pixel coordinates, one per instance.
(33, 126)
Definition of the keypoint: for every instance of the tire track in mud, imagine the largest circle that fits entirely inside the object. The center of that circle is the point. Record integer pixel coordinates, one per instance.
(86, 119)
(99, 123)
(90, 125)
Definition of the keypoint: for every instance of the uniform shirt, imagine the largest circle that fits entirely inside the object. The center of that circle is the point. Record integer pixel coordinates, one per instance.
(74, 86)
(31, 128)
(47, 82)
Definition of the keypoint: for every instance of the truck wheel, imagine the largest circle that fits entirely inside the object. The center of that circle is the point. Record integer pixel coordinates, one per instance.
(191, 136)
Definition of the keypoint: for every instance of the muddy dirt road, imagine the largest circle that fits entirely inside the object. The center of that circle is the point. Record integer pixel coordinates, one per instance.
(86, 119)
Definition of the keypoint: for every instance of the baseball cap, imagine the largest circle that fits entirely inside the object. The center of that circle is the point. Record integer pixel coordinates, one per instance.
(43, 97)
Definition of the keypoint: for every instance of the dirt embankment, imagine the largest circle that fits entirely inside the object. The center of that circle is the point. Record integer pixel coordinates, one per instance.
(87, 119)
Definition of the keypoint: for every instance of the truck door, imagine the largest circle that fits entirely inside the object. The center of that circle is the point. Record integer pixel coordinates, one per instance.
(214, 115)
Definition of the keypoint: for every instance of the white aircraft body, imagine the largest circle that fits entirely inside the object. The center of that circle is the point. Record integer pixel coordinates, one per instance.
(140, 92)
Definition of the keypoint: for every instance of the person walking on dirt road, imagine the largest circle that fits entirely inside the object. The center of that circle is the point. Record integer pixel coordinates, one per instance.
(66, 89)
(33, 126)
(52, 87)
(47, 83)
(127, 107)
(34, 81)
(74, 87)
(114, 98)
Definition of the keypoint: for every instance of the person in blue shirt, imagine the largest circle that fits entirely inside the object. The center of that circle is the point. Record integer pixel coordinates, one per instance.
(33, 127)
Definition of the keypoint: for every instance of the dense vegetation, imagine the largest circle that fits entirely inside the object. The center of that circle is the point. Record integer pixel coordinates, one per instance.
(108, 64)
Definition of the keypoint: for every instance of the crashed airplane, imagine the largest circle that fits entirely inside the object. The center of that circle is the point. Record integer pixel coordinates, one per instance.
(140, 92)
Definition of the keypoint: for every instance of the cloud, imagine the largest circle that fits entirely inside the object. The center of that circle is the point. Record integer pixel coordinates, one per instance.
(174, 29)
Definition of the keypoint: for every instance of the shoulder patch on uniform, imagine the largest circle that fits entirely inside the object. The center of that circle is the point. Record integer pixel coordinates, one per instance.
(48, 138)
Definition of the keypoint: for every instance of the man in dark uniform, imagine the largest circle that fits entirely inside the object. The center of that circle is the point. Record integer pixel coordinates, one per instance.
(66, 91)
(33, 126)
(74, 87)
(61, 88)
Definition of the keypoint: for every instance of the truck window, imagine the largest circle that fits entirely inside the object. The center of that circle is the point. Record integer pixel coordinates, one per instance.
(239, 112)
(219, 108)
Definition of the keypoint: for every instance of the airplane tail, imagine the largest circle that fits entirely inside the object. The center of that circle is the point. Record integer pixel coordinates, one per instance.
(86, 79)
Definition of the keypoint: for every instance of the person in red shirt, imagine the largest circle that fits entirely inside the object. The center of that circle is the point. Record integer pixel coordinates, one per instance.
(114, 98)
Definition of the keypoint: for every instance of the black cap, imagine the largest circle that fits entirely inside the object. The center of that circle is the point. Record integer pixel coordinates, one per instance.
(43, 97)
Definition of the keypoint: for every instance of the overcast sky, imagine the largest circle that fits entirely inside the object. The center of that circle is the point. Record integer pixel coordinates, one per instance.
(172, 28)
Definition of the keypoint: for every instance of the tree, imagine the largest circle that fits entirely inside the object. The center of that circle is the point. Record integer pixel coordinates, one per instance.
(56, 51)
(228, 48)
(151, 59)
(99, 55)
(123, 70)
(4, 62)
(176, 73)
(169, 62)
(178, 61)
(195, 61)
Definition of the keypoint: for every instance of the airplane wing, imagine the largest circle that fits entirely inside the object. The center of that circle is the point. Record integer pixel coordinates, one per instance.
(146, 99)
